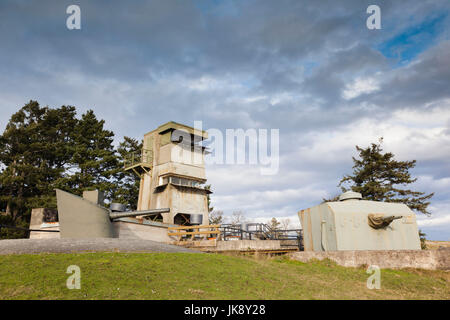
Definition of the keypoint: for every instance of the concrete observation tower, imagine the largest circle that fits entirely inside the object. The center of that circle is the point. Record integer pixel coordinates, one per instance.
(172, 171)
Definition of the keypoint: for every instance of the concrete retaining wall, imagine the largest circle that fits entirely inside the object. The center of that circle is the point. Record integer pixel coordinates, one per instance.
(248, 245)
(45, 235)
(392, 259)
(238, 245)
(129, 230)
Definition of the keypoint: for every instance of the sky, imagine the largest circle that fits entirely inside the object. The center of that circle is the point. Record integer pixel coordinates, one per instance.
(311, 69)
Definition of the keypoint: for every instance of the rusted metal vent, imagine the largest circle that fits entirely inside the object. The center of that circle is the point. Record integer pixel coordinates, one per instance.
(350, 195)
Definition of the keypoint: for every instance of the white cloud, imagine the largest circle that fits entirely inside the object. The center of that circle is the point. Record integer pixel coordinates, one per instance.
(360, 86)
(434, 221)
(205, 83)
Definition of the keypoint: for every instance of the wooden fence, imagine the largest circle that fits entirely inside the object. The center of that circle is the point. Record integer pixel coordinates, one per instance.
(186, 233)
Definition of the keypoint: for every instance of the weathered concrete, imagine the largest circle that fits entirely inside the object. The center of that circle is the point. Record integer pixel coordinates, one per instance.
(37, 217)
(27, 246)
(236, 245)
(129, 228)
(344, 225)
(392, 259)
(172, 171)
(94, 196)
(200, 244)
(81, 218)
(53, 226)
(38, 222)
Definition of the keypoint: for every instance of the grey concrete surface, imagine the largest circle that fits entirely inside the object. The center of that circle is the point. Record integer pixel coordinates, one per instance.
(392, 259)
(25, 246)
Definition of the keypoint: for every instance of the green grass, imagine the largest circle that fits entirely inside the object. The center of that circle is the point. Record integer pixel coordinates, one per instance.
(205, 276)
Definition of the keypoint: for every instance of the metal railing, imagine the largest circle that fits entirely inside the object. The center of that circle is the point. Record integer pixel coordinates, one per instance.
(138, 157)
(260, 231)
(24, 229)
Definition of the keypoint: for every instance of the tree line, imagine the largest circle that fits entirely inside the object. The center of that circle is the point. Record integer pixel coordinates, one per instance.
(46, 148)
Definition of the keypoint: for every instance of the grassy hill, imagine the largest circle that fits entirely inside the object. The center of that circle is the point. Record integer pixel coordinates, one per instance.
(435, 245)
(205, 276)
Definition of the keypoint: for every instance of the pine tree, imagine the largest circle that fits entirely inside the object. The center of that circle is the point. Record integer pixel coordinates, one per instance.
(43, 148)
(126, 190)
(33, 152)
(94, 162)
(423, 240)
(208, 198)
(18, 144)
(379, 177)
(55, 137)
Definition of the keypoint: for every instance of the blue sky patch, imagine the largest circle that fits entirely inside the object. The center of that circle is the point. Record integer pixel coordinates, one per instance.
(407, 45)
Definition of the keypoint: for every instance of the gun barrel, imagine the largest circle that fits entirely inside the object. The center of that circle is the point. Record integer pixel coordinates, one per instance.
(391, 218)
(117, 215)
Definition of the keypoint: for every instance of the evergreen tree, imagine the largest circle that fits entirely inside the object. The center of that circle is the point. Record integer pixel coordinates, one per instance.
(379, 177)
(43, 148)
(126, 190)
(94, 162)
(423, 239)
(33, 152)
(210, 209)
(55, 139)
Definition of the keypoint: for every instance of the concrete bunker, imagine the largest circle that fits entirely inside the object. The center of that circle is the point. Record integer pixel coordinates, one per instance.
(173, 208)
(355, 224)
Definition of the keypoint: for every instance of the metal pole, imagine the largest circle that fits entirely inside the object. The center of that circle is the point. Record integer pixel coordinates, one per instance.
(116, 215)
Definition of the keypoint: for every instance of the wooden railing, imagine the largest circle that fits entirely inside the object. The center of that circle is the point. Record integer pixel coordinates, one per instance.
(181, 232)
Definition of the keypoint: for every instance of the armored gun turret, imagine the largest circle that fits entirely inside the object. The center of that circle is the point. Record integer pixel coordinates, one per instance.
(356, 224)
(379, 221)
(84, 218)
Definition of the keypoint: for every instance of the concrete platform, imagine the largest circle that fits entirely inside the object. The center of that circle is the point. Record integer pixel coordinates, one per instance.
(27, 246)
(392, 259)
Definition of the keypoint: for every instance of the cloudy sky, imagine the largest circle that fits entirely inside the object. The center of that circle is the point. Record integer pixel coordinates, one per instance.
(311, 69)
